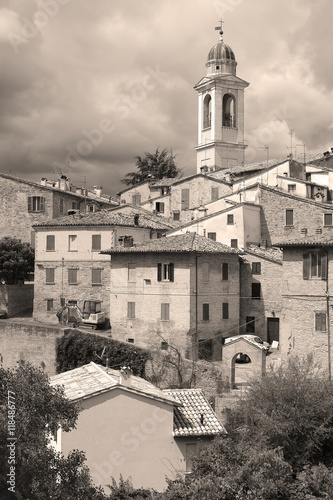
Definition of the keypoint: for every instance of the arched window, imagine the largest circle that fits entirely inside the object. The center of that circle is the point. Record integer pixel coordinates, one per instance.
(207, 111)
(229, 111)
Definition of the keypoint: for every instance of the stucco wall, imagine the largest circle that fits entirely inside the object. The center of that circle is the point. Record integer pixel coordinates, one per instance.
(230, 352)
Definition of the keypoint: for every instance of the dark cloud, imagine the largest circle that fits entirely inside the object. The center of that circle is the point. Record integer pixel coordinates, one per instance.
(133, 64)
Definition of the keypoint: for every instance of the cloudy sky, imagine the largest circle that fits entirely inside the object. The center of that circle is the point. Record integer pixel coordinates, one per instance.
(87, 85)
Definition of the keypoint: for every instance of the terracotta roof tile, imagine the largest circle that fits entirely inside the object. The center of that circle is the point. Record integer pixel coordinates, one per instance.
(195, 416)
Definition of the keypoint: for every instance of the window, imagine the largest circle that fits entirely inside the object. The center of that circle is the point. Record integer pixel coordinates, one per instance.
(49, 276)
(225, 271)
(72, 303)
(205, 312)
(185, 200)
(207, 111)
(211, 236)
(96, 242)
(215, 193)
(256, 291)
(61, 207)
(205, 349)
(234, 243)
(291, 188)
(131, 341)
(205, 271)
(131, 310)
(90, 208)
(164, 346)
(49, 304)
(131, 272)
(230, 218)
(165, 272)
(159, 207)
(256, 267)
(225, 310)
(176, 216)
(165, 312)
(72, 276)
(289, 217)
(33, 238)
(136, 199)
(72, 243)
(75, 205)
(328, 220)
(36, 204)
(315, 265)
(96, 276)
(320, 322)
(250, 324)
(50, 242)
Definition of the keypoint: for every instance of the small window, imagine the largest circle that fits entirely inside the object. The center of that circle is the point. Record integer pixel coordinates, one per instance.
(130, 341)
(61, 207)
(131, 272)
(256, 267)
(49, 305)
(217, 67)
(72, 303)
(234, 243)
(62, 301)
(72, 243)
(205, 272)
(131, 310)
(176, 216)
(49, 276)
(50, 243)
(211, 236)
(165, 312)
(36, 204)
(205, 349)
(328, 220)
(122, 201)
(291, 188)
(96, 276)
(225, 271)
(256, 291)
(320, 322)
(185, 199)
(250, 324)
(225, 310)
(96, 242)
(215, 193)
(289, 217)
(72, 276)
(75, 205)
(230, 218)
(159, 207)
(136, 199)
(164, 346)
(165, 272)
(205, 312)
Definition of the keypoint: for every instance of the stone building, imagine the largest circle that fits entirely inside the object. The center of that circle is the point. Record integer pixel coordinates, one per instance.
(180, 291)
(69, 267)
(24, 203)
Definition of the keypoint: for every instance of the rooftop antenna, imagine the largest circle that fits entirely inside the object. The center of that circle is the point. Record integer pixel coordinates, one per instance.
(220, 30)
(304, 153)
(291, 144)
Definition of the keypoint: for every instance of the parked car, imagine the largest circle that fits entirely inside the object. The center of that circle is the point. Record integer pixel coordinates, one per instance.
(242, 357)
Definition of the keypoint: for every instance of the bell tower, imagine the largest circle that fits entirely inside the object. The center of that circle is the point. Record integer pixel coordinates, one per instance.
(221, 111)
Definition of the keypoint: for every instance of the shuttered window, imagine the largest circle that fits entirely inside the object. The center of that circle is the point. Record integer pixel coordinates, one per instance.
(185, 200)
(165, 272)
(256, 290)
(36, 204)
(256, 267)
(205, 312)
(72, 243)
(328, 220)
(215, 193)
(50, 243)
(234, 243)
(225, 271)
(315, 265)
(230, 219)
(96, 276)
(96, 242)
(49, 305)
(320, 322)
(225, 310)
(165, 312)
(289, 217)
(72, 276)
(131, 310)
(211, 236)
(49, 276)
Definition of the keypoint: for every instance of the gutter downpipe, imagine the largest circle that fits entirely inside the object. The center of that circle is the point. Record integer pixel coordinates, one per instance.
(195, 343)
(328, 321)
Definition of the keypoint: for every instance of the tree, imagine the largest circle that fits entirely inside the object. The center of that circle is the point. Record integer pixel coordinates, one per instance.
(32, 407)
(16, 260)
(153, 165)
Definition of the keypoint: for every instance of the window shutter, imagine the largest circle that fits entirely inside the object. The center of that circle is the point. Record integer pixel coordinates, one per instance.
(42, 203)
(225, 310)
(306, 266)
(324, 266)
(159, 272)
(96, 276)
(96, 242)
(225, 271)
(185, 202)
(29, 203)
(171, 272)
(50, 242)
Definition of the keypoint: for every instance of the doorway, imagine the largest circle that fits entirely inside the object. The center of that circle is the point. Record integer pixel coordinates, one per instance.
(273, 329)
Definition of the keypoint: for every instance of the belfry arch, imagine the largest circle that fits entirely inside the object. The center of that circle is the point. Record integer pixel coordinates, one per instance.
(229, 111)
(207, 116)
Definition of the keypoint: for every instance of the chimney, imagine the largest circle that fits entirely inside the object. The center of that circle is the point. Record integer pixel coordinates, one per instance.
(125, 376)
(78, 190)
(98, 190)
(125, 241)
(64, 184)
(43, 181)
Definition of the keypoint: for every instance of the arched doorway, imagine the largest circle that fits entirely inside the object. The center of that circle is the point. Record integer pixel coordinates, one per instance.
(241, 369)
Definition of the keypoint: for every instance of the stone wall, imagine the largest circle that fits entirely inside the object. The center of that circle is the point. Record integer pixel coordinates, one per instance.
(16, 299)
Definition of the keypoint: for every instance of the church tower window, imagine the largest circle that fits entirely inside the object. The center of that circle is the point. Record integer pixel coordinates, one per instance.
(228, 110)
(207, 111)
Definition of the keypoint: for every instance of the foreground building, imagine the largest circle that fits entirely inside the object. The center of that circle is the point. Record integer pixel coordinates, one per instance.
(129, 427)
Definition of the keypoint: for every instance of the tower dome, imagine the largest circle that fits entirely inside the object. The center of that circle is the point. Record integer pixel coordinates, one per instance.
(221, 59)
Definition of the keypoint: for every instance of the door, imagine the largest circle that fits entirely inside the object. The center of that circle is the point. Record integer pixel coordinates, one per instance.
(273, 329)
